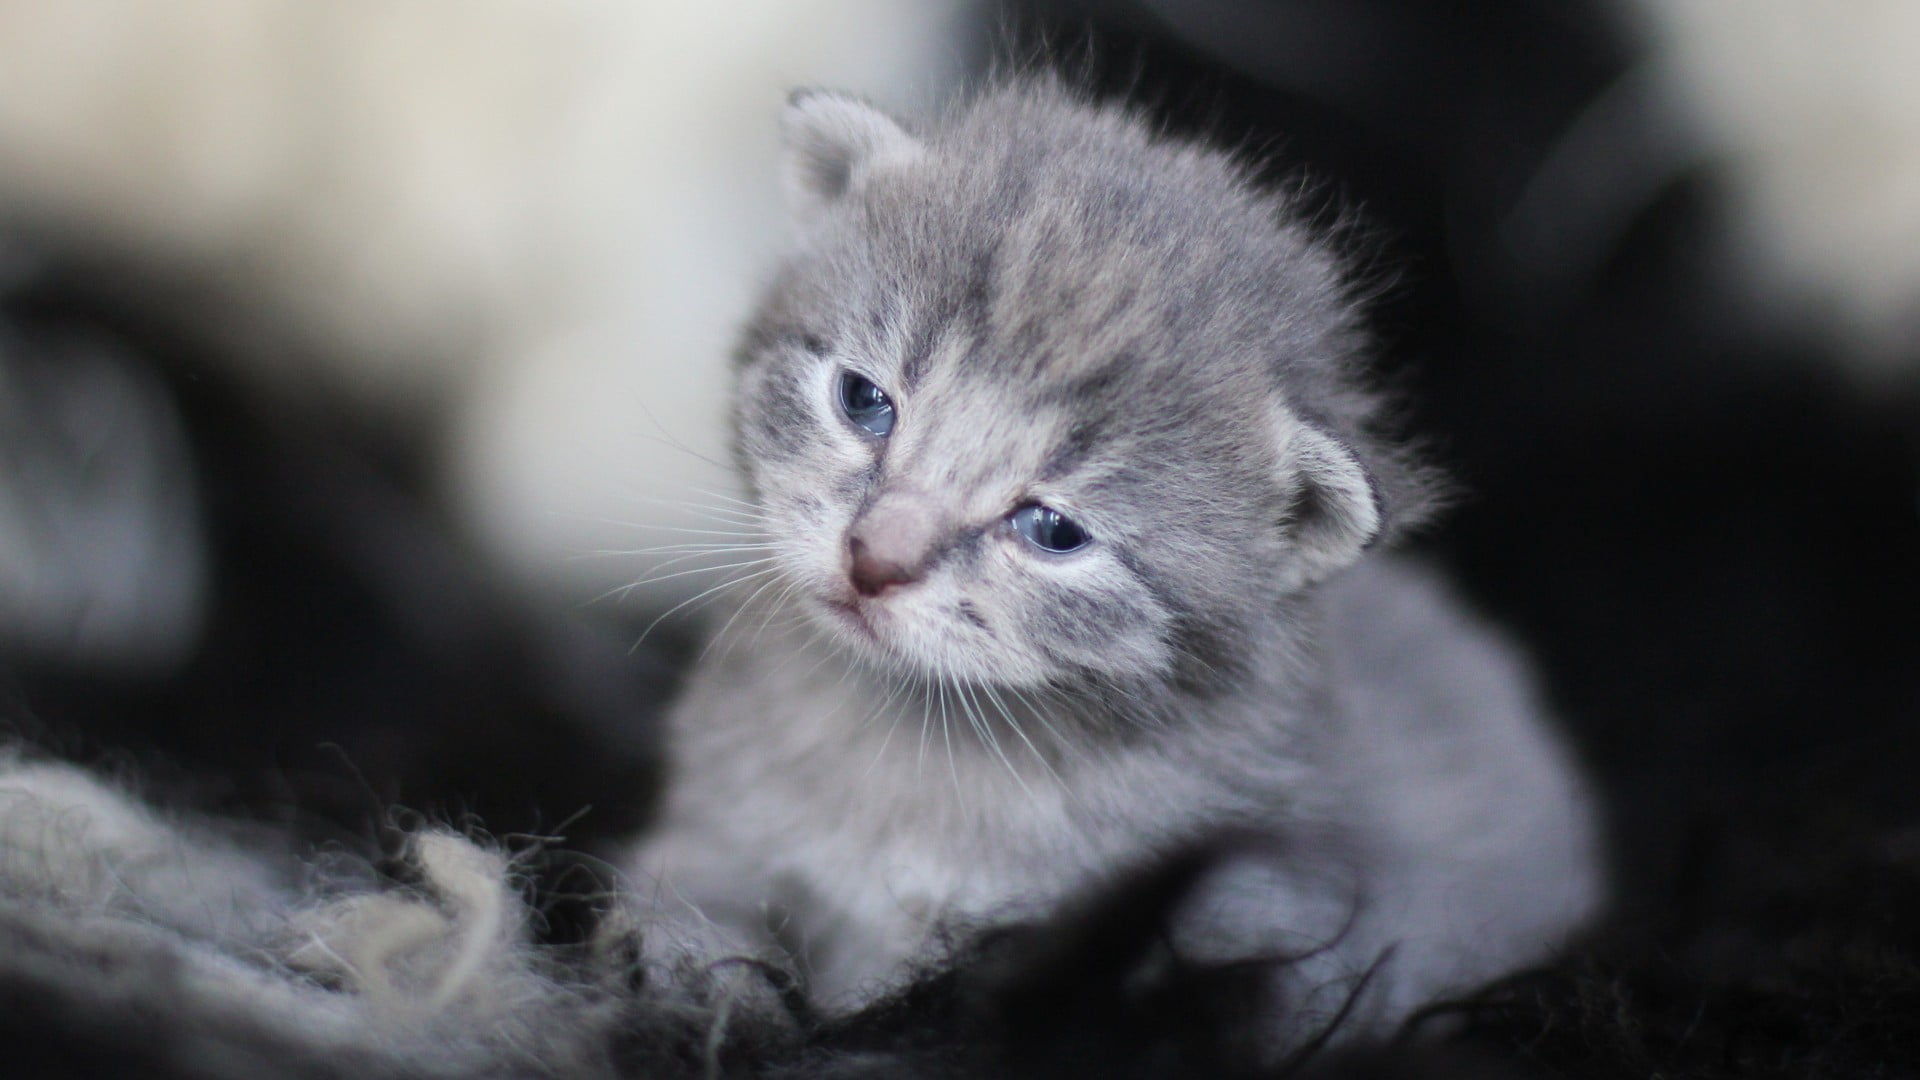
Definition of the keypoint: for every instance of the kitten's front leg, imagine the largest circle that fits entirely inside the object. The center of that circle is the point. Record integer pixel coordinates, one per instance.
(700, 921)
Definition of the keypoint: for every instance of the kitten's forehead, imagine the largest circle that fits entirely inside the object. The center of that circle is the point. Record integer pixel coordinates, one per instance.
(1065, 273)
(1038, 341)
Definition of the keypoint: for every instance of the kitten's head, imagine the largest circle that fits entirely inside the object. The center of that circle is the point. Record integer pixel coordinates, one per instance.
(1042, 400)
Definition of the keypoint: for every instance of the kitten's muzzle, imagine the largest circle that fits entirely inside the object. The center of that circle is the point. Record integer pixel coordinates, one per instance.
(891, 544)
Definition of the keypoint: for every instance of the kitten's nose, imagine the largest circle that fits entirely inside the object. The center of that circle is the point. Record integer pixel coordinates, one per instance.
(871, 575)
(891, 543)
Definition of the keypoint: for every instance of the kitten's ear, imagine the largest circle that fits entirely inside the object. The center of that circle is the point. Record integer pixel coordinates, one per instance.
(1336, 507)
(832, 143)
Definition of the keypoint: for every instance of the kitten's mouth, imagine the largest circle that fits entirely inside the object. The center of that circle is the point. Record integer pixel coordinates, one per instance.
(850, 614)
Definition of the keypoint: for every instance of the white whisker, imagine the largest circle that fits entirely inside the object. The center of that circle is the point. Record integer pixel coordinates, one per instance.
(701, 596)
(983, 725)
(926, 718)
(886, 705)
(675, 549)
(742, 606)
(946, 735)
(774, 607)
(724, 497)
(1014, 724)
(733, 517)
(654, 579)
(667, 439)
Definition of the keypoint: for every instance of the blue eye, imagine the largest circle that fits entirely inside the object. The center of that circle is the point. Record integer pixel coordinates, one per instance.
(1048, 529)
(865, 404)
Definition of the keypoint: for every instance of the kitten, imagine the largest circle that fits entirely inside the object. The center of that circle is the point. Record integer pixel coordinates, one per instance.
(1073, 499)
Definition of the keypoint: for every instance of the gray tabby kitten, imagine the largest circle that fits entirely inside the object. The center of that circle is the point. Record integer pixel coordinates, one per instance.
(1073, 500)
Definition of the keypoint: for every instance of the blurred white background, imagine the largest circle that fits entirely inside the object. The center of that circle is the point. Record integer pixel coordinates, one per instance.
(533, 224)
(1814, 109)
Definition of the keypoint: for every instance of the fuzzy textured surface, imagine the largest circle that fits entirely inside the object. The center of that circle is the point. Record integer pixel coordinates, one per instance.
(115, 911)
(132, 942)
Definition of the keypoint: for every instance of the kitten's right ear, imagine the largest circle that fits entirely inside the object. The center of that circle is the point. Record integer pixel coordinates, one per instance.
(1336, 508)
(833, 143)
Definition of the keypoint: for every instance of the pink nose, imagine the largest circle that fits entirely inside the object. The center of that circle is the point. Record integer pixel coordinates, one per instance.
(893, 542)
(871, 574)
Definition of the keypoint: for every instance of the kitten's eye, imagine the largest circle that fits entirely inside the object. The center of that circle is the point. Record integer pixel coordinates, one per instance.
(1048, 529)
(865, 404)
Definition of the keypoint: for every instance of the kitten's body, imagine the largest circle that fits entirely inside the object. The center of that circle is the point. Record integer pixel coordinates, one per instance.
(934, 716)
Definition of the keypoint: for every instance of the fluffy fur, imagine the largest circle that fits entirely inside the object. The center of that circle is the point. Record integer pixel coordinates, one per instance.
(1066, 311)
(265, 966)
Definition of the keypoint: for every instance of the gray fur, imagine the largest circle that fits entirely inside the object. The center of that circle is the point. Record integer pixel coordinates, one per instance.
(227, 961)
(1065, 308)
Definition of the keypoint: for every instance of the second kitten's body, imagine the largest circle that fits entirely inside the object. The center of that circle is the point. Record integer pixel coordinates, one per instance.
(1068, 486)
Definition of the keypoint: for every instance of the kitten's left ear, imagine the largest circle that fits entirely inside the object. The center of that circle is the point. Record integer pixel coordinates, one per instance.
(833, 143)
(1337, 510)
